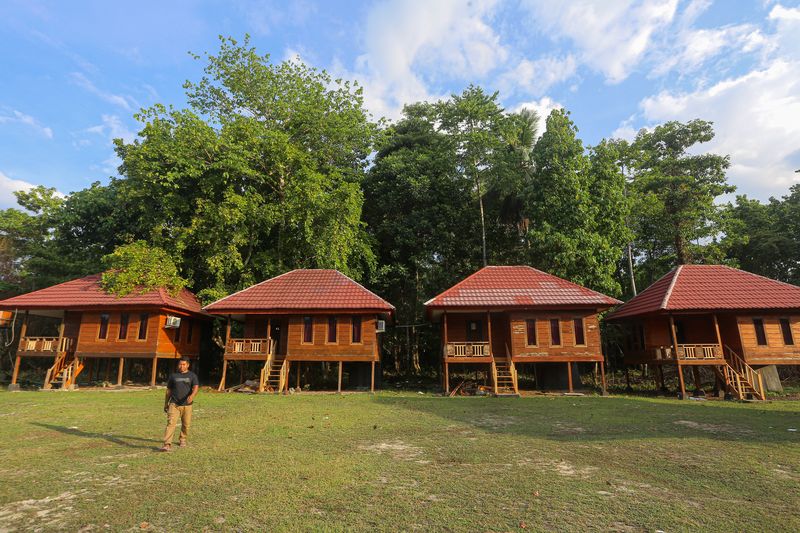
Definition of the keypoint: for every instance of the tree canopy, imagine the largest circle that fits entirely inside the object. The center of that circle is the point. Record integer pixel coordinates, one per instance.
(277, 165)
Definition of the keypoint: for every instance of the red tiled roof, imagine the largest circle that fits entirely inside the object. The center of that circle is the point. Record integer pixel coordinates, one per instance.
(87, 292)
(712, 288)
(517, 286)
(302, 289)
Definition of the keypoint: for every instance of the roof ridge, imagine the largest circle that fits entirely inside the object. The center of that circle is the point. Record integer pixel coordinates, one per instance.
(758, 276)
(359, 285)
(248, 288)
(456, 285)
(672, 282)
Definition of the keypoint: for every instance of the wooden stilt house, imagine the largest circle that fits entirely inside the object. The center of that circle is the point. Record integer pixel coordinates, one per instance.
(300, 317)
(80, 328)
(502, 317)
(716, 316)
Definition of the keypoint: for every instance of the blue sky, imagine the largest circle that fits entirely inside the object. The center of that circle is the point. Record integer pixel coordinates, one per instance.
(74, 73)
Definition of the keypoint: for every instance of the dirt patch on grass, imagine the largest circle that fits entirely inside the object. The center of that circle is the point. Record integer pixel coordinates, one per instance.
(496, 421)
(560, 467)
(397, 450)
(565, 428)
(45, 513)
(713, 428)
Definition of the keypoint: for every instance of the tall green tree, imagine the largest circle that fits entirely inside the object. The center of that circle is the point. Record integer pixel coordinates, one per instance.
(474, 122)
(679, 188)
(576, 206)
(261, 173)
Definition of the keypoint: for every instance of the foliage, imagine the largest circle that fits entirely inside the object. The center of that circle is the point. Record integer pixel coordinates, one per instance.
(139, 268)
(576, 206)
(679, 187)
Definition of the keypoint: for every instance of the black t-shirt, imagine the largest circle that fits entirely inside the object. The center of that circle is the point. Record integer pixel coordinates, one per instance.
(180, 386)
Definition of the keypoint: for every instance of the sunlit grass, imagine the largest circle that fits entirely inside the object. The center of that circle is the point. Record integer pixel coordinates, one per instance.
(399, 462)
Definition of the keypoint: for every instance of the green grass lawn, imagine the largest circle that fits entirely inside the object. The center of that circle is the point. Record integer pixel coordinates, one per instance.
(398, 461)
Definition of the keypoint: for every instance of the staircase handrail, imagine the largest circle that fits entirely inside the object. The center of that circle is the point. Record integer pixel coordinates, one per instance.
(53, 371)
(740, 366)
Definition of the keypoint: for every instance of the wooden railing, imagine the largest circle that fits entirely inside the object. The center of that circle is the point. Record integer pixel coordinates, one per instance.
(742, 376)
(691, 352)
(265, 369)
(284, 376)
(248, 347)
(699, 351)
(467, 349)
(46, 344)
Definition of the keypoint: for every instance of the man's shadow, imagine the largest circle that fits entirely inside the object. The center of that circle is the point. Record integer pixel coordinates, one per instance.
(120, 440)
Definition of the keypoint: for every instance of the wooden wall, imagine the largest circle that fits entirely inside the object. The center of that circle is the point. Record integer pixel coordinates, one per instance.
(568, 349)
(159, 340)
(168, 347)
(292, 336)
(775, 352)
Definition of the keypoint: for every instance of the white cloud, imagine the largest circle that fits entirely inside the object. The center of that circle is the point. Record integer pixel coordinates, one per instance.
(13, 116)
(536, 77)
(404, 38)
(123, 101)
(7, 188)
(756, 119)
(110, 128)
(543, 107)
(611, 37)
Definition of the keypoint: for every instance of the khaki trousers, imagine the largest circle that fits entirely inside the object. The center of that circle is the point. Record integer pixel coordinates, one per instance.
(184, 412)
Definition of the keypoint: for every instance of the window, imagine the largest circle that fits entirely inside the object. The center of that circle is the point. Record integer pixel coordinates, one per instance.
(640, 331)
(308, 329)
(580, 338)
(761, 335)
(332, 323)
(680, 332)
(356, 329)
(103, 333)
(555, 332)
(143, 319)
(124, 318)
(474, 331)
(530, 328)
(786, 329)
(178, 332)
(189, 331)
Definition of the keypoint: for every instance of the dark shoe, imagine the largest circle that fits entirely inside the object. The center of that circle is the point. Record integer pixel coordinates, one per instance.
(165, 448)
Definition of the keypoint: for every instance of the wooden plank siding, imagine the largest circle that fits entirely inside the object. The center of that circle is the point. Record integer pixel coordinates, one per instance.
(292, 345)
(776, 351)
(158, 342)
(544, 350)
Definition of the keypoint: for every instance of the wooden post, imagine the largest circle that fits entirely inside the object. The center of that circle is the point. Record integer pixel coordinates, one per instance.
(119, 371)
(269, 335)
(297, 383)
(489, 331)
(719, 337)
(372, 380)
(339, 389)
(446, 379)
(677, 356)
(569, 377)
(16, 371)
(682, 384)
(444, 356)
(24, 329)
(698, 391)
(603, 376)
(660, 370)
(153, 372)
(224, 372)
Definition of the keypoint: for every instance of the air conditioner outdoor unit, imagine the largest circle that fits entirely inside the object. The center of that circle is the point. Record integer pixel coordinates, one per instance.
(173, 322)
(380, 326)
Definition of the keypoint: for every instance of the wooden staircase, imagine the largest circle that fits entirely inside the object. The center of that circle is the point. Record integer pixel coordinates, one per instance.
(274, 373)
(505, 377)
(64, 372)
(740, 379)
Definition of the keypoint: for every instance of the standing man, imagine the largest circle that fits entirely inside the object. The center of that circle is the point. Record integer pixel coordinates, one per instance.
(181, 390)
